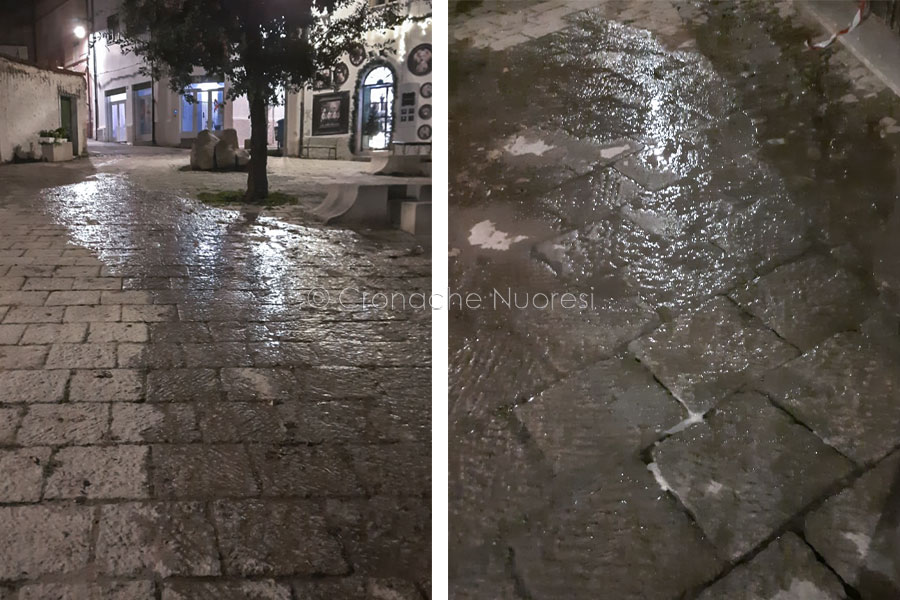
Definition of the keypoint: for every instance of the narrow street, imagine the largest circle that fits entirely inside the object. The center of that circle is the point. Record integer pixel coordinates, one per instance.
(722, 419)
(191, 408)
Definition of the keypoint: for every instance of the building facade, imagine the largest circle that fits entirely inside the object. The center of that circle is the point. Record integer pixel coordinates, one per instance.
(36, 98)
(369, 100)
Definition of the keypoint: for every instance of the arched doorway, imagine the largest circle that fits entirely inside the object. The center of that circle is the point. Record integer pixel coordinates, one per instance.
(376, 115)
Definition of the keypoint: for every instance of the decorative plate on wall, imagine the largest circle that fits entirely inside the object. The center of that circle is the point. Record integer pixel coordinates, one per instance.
(424, 132)
(322, 80)
(357, 54)
(419, 60)
(341, 74)
(425, 111)
(425, 90)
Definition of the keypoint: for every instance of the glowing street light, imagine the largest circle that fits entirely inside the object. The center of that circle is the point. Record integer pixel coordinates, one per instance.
(80, 32)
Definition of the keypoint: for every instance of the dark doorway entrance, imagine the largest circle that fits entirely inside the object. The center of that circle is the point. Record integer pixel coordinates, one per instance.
(68, 120)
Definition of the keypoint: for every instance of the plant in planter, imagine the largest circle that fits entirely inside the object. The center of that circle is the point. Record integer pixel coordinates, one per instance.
(62, 135)
(59, 135)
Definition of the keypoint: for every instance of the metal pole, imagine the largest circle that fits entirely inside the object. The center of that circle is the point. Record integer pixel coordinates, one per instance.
(153, 109)
(302, 117)
(92, 41)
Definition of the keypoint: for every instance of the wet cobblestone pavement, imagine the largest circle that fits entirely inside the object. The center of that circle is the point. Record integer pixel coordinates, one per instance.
(181, 419)
(722, 419)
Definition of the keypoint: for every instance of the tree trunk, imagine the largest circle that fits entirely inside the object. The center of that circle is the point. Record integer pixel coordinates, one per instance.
(257, 180)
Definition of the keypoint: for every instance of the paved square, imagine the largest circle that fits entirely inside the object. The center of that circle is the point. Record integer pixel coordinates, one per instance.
(174, 420)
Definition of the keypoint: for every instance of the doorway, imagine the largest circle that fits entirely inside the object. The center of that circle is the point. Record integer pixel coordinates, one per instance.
(376, 115)
(143, 113)
(68, 119)
(115, 117)
(202, 107)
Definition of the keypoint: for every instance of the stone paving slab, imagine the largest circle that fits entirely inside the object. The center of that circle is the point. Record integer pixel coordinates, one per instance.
(136, 423)
(622, 538)
(26, 386)
(746, 470)
(846, 391)
(704, 356)
(499, 28)
(763, 234)
(858, 531)
(645, 262)
(623, 411)
(108, 472)
(159, 538)
(50, 333)
(193, 471)
(786, 569)
(488, 387)
(581, 334)
(59, 535)
(489, 501)
(106, 385)
(276, 538)
(49, 424)
(388, 545)
(356, 588)
(9, 423)
(305, 471)
(808, 301)
(23, 474)
(229, 590)
(126, 590)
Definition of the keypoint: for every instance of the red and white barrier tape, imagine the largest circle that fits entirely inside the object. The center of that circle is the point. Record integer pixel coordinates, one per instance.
(857, 19)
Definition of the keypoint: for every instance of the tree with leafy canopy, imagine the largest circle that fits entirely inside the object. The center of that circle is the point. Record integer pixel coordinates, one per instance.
(260, 46)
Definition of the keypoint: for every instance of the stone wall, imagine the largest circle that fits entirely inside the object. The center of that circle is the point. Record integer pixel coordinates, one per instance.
(30, 102)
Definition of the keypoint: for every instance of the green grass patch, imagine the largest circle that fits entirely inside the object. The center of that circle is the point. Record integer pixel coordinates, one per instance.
(225, 198)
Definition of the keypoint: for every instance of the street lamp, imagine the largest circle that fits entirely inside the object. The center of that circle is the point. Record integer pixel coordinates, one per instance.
(80, 32)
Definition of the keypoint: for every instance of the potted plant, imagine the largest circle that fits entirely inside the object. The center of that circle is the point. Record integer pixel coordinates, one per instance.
(47, 136)
(61, 134)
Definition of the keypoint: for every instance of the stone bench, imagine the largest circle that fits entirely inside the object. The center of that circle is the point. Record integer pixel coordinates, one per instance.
(355, 204)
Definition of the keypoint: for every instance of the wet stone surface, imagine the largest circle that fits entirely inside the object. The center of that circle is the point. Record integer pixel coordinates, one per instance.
(846, 391)
(787, 568)
(577, 548)
(746, 470)
(703, 356)
(728, 202)
(175, 415)
(624, 410)
(857, 531)
(808, 301)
